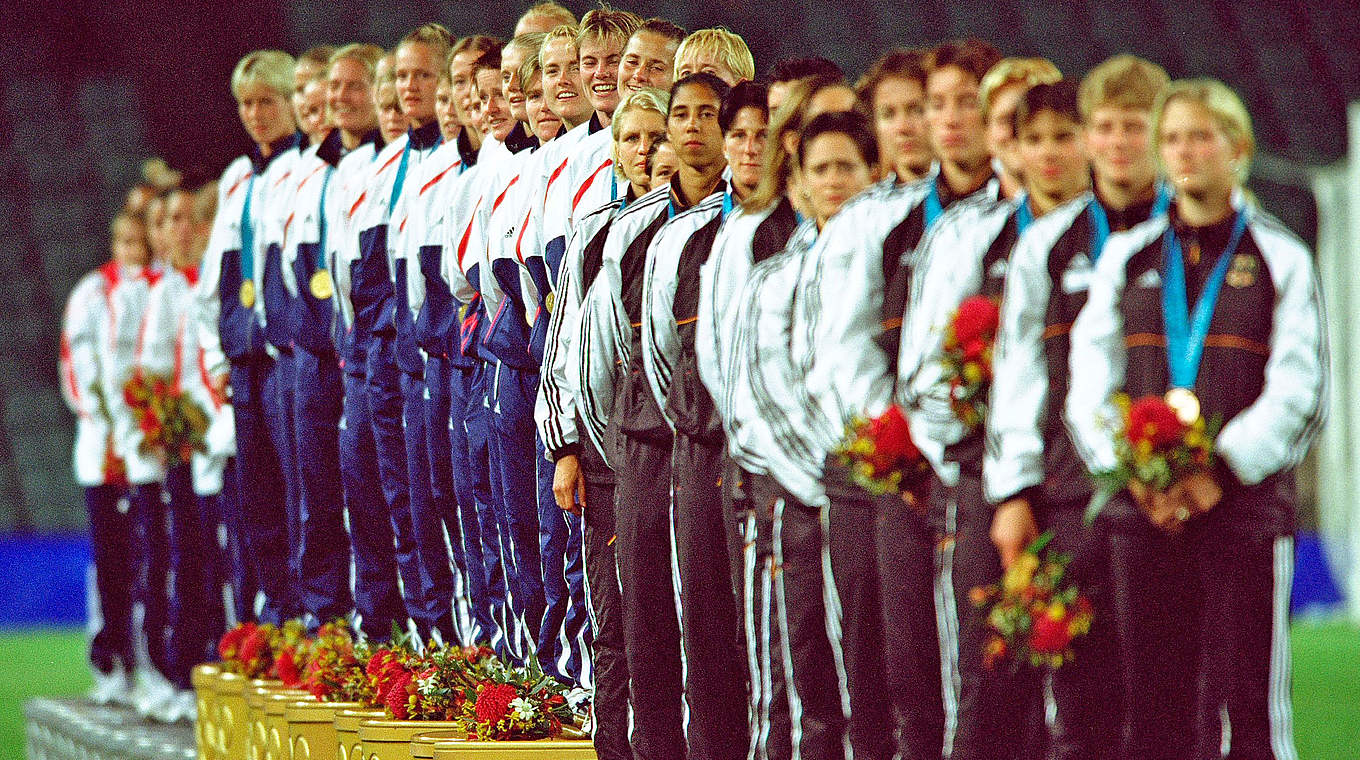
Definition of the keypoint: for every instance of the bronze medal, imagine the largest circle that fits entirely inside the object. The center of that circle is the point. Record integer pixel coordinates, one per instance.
(1185, 404)
(321, 285)
(248, 293)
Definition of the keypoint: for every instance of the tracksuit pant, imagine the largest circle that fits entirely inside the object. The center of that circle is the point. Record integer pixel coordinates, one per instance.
(151, 520)
(513, 392)
(565, 628)
(443, 495)
(485, 580)
(236, 565)
(261, 507)
(1203, 621)
(651, 632)
(194, 617)
(496, 553)
(280, 420)
(1000, 714)
(609, 659)
(715, 691)
(324, 550)
(436, 569)
(805, 608)
(111, 533)
(771, 732)
(385, 402)
(377, 597)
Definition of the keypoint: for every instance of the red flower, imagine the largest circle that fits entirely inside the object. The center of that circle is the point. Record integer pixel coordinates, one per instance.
(377, 661)
(1049, 636)
(973, 349)
(493, 702)
(285, 667)
(1151, 419)
(253, 646)
(976, 320)
(892, 436)
(230, 642)
(395, 696)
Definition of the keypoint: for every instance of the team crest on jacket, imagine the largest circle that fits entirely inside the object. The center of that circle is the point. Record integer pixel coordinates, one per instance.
(998, 269)
(1149, 279)
(1077, 277)
(1242, 272)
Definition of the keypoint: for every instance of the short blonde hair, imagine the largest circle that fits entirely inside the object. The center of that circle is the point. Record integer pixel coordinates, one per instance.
(550, 11)
(1223, 103)
(434, 36)
(364, 53)
(1008, 71)
(1125, 81)
(564, 32)
(271, 68)
(606, 23)
(722, 44)
(646, 99)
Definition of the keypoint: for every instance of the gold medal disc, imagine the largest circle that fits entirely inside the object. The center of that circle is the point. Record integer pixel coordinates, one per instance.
(550, 302)
(1185, 404)
(248, 293)
(322, 286)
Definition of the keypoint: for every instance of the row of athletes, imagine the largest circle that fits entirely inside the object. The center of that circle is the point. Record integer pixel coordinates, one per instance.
(691, 353)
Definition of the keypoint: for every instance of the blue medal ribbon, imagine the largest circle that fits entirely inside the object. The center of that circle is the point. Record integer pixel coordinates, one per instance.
(1184, 338)
(1100, 221)
(321, 221)
(934, 206)
(1023, 216)
(248, 233)
(401, 177)
(729, 202)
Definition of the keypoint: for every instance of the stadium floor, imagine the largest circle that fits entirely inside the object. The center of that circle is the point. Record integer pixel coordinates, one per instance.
(51, 662)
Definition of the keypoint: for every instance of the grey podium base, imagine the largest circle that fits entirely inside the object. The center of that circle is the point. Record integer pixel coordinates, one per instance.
(76, 729)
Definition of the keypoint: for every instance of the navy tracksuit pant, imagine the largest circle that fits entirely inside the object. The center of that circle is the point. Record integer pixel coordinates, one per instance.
(565, 628)
(443, 494)
(194, 615)
(111, 533)
(324, 559)
(385, 408)
(436, 572)
(484, 579)
(260, 508)
(513, 393)
(377, 598)
(280, 421)
(486, 486)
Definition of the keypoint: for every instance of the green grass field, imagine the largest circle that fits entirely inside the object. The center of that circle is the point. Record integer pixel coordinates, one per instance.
(1326, 684)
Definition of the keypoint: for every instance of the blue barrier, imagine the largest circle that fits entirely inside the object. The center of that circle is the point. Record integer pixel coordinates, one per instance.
(42, 580)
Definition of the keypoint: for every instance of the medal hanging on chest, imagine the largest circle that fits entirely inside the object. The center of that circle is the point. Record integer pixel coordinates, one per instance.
(247, 293)
(321, 285)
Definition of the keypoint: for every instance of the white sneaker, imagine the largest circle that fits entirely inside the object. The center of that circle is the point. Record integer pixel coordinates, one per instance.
(155, 696)
(113, 687)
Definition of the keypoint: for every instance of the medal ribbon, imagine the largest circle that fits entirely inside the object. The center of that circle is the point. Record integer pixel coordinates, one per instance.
(728, 203)
(248, 234)
(1184, 338)
(401, 177)
(934, 207)
(1023, 216)
(1100, 221)
(321, 219)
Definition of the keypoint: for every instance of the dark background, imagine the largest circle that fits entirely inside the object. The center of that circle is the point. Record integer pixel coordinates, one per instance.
(89, 89)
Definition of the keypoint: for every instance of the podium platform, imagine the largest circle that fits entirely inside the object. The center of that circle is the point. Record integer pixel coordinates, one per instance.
(75, 729)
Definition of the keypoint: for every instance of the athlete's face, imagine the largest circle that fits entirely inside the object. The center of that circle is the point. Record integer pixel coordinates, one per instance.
(264, 113)
(542, 120)
(511, 59)
(349, 93)
(1001, 128)
(392, 120)
(833, 99)
(417, 69)
(129, 246)
(778, 91)
(495, 109)
(954, 116)
(155, 229)
(1198, 156)
(664, 165)
(562, 82)
(900, 123)
(744, 147)
(692, 126)
(599, 57)
(648, 61)
(1119, 140)
(304, 72)
(1052, 155)
(178, 223)
(639, 130)
(460, 74)
(314, 122)
(834, 171)
(696, 61)
(444, 112)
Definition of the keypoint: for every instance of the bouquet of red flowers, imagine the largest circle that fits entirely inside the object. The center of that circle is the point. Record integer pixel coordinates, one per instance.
(967, 357)
(1035, 613)
(880, 454)
(1156, 444)
(440, 683)
(292, 650)
(172, 424)
(248, 649)
(332, 664)
(516, 703)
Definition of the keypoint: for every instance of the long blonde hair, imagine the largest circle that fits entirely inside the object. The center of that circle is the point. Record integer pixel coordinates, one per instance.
(1227, 109)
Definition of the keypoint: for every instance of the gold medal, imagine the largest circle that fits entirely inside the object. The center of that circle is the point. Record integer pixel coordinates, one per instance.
(248, 293)
(549, 302)
(322, 286)
(1185, 404)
